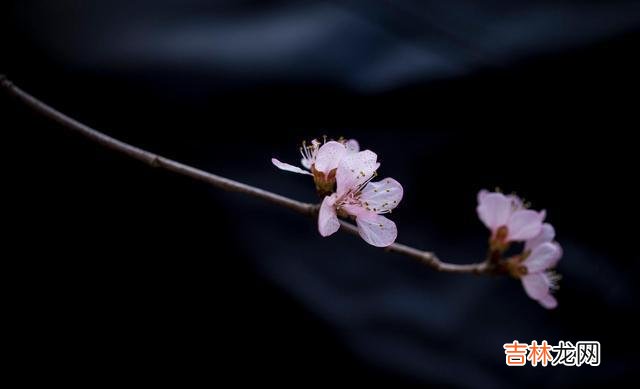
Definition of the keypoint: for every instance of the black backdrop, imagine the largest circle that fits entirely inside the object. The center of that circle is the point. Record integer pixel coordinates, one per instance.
(122, 272)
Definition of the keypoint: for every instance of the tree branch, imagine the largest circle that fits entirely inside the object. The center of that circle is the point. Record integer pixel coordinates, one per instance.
(159, 161)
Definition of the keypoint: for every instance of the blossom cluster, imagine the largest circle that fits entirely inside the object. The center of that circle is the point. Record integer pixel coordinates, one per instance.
(509, 220)
(343, 177)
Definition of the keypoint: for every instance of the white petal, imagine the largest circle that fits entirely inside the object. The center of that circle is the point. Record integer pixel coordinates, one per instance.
(352, 146)
(494, 210)
(328, 222)
(535, 285)
(548, 301)
(525, 224)
(354, 209)
(543, 257)
(376, 230)
(289, 168)
(355, 169)
(382, 196)
(482, 194)
(547, 233)
(329, 156)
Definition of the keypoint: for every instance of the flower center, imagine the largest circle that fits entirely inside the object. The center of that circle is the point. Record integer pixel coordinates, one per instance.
(352, 196)
(501, 234)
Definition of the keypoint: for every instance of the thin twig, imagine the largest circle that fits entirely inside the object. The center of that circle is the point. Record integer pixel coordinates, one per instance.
(155, 160)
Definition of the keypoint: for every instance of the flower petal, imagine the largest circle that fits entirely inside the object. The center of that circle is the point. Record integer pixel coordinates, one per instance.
(328, 222)
(289, 168)
(543, 257)
(329, 156)
(382, 196)
(376, 230)
(355, 169)
(535, 285)
(547, 233)
(352, 146)
(548, 301)
(494, 210)
(354, 209)
(525, 224)
(482, 194)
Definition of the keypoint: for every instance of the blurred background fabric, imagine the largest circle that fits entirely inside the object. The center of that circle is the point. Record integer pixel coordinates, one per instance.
(126, 272)
(363, 46)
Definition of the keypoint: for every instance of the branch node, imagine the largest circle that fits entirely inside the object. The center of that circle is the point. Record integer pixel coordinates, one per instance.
(155, 161)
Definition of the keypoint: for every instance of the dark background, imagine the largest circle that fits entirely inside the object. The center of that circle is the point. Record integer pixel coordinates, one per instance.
(118, 272)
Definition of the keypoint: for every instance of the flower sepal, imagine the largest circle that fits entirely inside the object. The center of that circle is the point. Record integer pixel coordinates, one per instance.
(325, 183)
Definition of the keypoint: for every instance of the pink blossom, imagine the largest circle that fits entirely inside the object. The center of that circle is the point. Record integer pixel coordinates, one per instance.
(357, 196)
(321, 161)
(322, 157)
(507, 218)
(541, 254)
